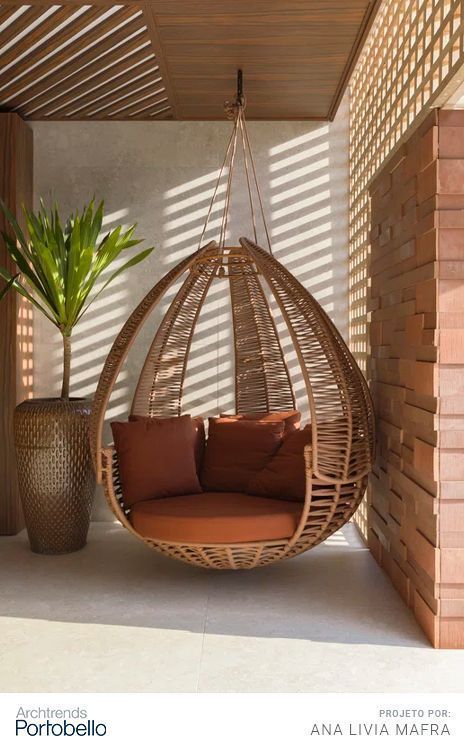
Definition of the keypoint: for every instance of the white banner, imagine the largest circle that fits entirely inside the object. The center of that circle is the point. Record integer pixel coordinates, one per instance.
(223, 721)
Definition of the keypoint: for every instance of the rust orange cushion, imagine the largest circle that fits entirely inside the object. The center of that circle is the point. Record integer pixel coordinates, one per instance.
(215, 518)
(156, 458)
(291, 419)
(284, 475)
(198, 427)
(236, 450)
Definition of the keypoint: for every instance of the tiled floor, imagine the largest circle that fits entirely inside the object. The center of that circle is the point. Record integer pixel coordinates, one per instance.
(118, 617)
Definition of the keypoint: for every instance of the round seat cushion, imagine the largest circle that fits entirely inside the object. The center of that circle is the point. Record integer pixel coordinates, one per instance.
(215, 518)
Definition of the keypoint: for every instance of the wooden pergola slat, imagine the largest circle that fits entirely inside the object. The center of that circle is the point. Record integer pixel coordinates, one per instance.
(140, 100)
(20, 24)
(110, 82)
(47, 26)
(33, 67)
(118, 98)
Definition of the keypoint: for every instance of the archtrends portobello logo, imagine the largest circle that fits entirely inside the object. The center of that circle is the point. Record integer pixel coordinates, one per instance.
(45, 721)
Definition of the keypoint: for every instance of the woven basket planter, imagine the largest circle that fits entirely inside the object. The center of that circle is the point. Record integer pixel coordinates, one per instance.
(56, 477)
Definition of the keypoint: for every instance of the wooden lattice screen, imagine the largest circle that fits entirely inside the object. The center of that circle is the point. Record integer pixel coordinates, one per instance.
(410, 63)
(412, 60)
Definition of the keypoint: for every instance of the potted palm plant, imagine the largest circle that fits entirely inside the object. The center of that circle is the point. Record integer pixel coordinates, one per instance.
(58, 269)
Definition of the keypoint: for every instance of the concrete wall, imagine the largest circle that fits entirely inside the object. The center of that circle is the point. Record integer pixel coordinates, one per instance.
(161, 175)
(416, 505)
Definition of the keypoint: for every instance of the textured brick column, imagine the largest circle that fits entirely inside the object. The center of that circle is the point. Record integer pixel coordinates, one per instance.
(416, 495)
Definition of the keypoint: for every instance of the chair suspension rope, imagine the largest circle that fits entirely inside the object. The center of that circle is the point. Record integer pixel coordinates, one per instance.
(236, 111)
(216, 188)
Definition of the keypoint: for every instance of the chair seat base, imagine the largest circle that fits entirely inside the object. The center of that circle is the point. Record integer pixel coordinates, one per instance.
(329, 508)
(216, 518)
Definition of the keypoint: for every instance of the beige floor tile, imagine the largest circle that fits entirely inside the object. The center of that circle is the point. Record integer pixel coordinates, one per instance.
(45, 656)
(118, 617)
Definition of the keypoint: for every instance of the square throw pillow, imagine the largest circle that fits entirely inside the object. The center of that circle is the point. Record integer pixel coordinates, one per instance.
(284, 476)
(156, 458)
(198, 426)
(236, 450)
(290, 419)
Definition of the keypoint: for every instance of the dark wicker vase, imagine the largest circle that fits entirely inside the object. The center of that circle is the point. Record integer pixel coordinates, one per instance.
(56, 477)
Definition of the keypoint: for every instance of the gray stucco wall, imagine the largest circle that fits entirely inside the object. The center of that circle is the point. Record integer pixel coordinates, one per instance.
(161, 176)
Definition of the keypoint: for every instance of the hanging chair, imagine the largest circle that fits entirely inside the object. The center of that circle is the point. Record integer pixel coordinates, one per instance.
(340, 455)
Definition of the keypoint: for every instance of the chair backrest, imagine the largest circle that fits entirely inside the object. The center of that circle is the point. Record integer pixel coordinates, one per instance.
(338, 399)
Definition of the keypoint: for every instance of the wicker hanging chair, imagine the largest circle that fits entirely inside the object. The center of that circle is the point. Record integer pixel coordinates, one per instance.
(341, 416)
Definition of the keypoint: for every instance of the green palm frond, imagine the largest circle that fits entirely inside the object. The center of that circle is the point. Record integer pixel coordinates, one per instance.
(58, 265)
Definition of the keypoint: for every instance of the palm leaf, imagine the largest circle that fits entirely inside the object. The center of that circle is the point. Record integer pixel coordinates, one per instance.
(15, 284)
(17, 229)
(60, 264)
(132, 262)
(54, 278)
(96, 224)
(26, 269)
(8, 286)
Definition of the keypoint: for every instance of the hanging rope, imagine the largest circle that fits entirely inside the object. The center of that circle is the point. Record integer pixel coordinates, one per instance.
(252, 208)
(256, 184)
(236, 111)
(225, 215)
(229, 145)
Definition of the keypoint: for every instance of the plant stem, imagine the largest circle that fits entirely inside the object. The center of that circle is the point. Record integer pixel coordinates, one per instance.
(66, 367)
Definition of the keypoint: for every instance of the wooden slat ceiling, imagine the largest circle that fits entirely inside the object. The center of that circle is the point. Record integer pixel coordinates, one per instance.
(178, 59)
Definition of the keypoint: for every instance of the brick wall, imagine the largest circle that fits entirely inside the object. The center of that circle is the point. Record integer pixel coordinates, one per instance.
(416, 369)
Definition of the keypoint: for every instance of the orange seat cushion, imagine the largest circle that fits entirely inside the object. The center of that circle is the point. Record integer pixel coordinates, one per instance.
(285, 474)
(235, 450)
(156, 458)
(215, 518)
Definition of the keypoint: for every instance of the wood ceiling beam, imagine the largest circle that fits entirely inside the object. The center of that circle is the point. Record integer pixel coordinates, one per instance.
(149, 17)
(364, 29)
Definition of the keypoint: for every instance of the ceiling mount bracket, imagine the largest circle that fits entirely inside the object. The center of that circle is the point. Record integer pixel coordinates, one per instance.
(235, 107)
(240, 97)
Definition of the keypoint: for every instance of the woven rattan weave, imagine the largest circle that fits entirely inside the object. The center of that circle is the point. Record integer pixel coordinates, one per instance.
(340, 456)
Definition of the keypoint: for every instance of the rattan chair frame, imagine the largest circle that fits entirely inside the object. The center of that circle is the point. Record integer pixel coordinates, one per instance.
(340, 456)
